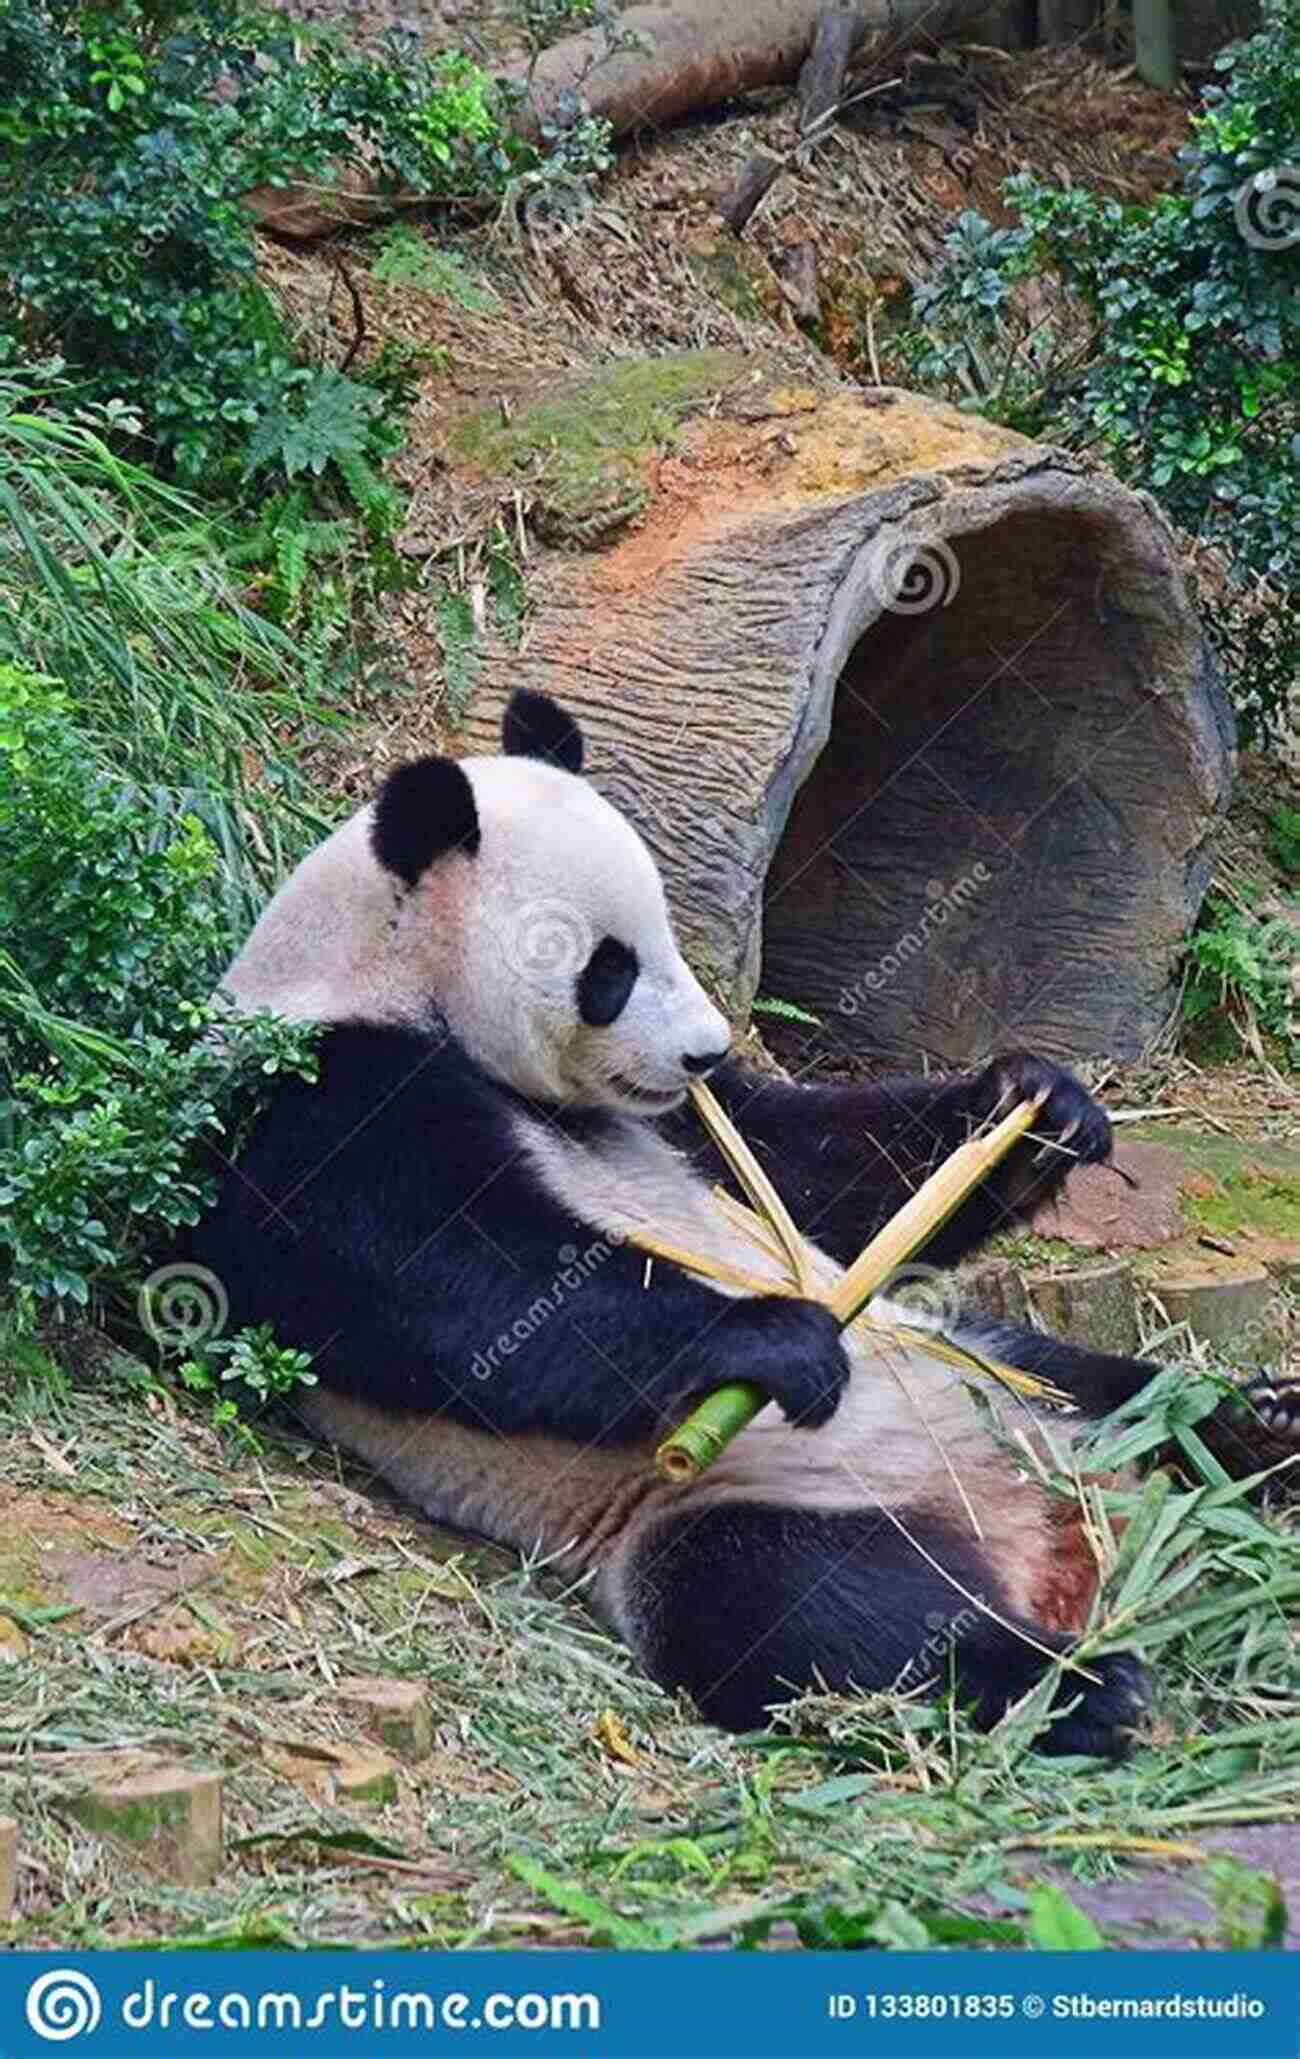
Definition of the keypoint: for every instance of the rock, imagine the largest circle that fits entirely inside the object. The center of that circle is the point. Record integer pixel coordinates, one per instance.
(1096, 1306)
(1099, 1211)
(1230, 1304)
(397, 1713)
(8, 1868)
(169, 1815)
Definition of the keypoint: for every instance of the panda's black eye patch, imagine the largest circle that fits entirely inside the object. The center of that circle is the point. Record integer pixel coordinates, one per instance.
(606, 982)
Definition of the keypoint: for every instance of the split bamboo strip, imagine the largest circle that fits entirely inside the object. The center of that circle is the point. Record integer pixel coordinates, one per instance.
(766, 1201)
(928, 1210)
(695, 1443)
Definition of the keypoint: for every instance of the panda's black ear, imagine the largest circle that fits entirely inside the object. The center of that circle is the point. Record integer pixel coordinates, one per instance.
(424, 809)
(535, 726)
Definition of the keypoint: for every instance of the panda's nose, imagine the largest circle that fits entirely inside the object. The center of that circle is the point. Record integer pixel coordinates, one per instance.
(697, 1063)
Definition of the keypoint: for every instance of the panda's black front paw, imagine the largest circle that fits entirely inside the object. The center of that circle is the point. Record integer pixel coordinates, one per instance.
(1266, 1422)
(790, 1348)
(1276, 1404)
(1108, 1712)
(1069, 1115)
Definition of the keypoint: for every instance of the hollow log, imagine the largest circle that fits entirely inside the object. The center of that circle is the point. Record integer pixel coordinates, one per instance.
(914, 714)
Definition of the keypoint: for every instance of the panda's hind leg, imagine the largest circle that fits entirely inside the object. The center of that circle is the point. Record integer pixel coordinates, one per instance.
(745, 1605)
(1248, 1432)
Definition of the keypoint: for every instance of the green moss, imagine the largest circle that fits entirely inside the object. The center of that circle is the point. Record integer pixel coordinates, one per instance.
(1257, 1182)
(722, 273)
(583, 444)
(1023, 1248)
(1268, 1205)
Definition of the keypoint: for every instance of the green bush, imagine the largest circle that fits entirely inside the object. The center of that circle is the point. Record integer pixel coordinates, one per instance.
(1247, 966)
(115, 1069)
(147, 807)
(1176, 347)
(130, 133)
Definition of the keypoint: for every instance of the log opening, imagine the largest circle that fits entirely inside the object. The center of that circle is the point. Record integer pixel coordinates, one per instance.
(967, 862)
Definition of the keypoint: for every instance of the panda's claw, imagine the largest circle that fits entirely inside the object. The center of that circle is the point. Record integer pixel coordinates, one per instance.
(1109, 1709)
(1276, 1404)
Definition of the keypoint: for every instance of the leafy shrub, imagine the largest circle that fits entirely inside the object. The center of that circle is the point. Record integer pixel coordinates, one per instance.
(1284, 838)
(132, 133)
(1248, 966)
(115, 929)
(1176, 341)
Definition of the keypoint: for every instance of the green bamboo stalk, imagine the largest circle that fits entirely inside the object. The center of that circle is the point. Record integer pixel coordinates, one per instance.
(708, 1430)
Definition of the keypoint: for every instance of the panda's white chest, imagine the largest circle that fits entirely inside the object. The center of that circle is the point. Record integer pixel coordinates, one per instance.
(629, 1182)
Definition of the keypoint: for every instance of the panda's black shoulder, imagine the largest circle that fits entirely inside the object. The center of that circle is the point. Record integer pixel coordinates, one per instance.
(378, 1089)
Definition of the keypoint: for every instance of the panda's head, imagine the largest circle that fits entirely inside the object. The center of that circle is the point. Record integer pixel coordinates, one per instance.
(504, 897)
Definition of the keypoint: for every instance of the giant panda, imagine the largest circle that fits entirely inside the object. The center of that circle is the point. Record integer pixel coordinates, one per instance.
(444, 1220)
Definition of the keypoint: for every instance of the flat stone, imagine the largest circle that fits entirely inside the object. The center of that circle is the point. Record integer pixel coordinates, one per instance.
(1100, 1211)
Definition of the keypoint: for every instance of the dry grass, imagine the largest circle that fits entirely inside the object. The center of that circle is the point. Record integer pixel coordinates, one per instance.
(566, 1800)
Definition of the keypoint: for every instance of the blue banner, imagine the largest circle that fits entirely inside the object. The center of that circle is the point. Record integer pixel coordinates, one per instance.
(594, 2005)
